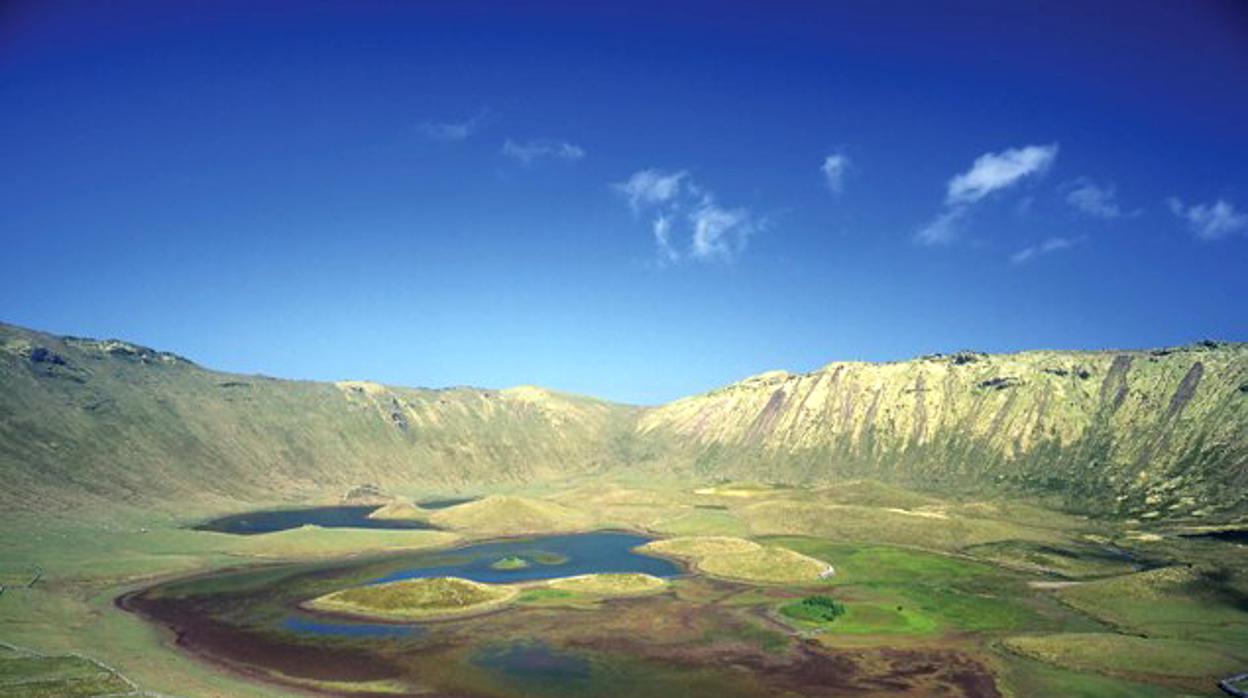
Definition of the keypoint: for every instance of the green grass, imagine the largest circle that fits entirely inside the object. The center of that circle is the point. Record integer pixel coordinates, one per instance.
(1190, 603)
(31, 675)
(897, 591)
(1128, 655)
(539, 594)
(609, 584)
(817, 609)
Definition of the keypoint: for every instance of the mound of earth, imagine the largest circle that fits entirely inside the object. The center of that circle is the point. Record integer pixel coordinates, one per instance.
(693, 547)
(610, 584)
(400, 511)
(508, 515)
(743, 560)
(416, 599)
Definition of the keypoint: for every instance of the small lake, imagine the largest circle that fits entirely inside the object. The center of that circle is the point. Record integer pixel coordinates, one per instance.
(269, 521)
(548, 557)
(1232, 535)
(445, 503)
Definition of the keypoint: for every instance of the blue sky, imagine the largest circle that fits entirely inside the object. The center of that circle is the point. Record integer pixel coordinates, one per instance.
(636, 203)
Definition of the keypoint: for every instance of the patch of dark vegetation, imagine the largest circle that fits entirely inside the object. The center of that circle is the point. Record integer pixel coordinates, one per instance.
(233, 384)
(815, 609)
(367, 493)
(717, 507)
(126, 350)
(958, 358)
(397, 416)
(1243, 388)
(44, 355)
(767, 417)
(97, 404)
(1114, 388)
(1187, 388)
(1056, 371)
(999, 383)
(964, 357)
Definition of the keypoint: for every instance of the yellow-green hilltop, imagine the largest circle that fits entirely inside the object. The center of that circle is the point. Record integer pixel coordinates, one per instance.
(1154, 433)
(444, 598)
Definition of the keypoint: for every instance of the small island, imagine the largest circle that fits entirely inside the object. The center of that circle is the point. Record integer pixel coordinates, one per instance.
(445, 598)
(430, 598)
(511, 562)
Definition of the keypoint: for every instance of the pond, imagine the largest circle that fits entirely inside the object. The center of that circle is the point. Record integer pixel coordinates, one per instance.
(272, 520)
(444, 503)
(1230, 535)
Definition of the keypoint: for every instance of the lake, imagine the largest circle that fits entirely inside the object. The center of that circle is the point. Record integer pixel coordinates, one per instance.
(550, 557)
(272, 520)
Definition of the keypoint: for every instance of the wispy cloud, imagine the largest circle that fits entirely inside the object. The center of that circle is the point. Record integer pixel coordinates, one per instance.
(528, 151)
(1098, 201)
(1049, 246)
(452, 131)
(995, 171)
(834, 169)
(662, 229)
(943, 229)
(720, 233)
(651, 187)
(991, 172)
(1212, 221)
(688, 222)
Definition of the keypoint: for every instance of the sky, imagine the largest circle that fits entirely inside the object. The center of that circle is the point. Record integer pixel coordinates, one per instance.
(637, 202)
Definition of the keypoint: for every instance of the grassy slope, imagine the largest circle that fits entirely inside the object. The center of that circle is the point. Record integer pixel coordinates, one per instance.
(1156, 434)
(1161, 434)
(87, 424)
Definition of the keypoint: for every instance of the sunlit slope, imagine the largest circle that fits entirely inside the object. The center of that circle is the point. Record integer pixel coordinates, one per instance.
(1148, 433)
(1152, 433)
(86, 422)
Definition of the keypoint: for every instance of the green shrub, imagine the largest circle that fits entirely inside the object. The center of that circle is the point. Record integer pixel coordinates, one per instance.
(815, 609)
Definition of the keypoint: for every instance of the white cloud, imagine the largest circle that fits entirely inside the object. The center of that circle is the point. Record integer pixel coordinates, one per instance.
(989, 173)
(994, 171)
(663, 240)
(719, 233)
(1210, 221)
(1094, 200)
(528, 151)
(649, 187)
(1054, 244)
(452, 131)
(688, 222)
(834, 169)
(944, 229)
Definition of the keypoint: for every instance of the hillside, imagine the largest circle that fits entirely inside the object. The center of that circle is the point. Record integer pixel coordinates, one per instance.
(87, 422)
(1157, 434)
(1148, 433)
